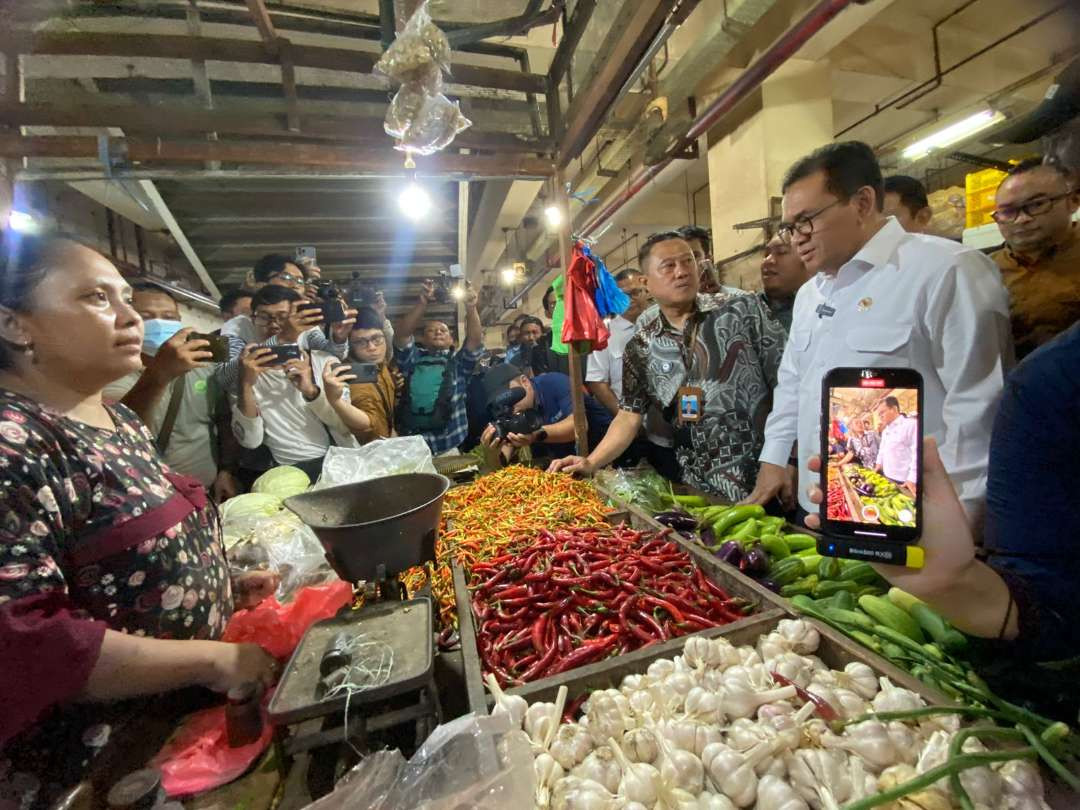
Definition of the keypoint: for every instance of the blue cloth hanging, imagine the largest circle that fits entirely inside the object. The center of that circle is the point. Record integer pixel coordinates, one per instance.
(610, 300)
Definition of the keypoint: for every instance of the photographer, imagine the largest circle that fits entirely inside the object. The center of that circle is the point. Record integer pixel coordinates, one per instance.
(177, 396)
(281, 404)
(433, 403)
(377, 399)
(537, 411)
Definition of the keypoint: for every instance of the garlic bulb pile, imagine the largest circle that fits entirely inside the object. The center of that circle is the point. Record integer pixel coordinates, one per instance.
(712, 730)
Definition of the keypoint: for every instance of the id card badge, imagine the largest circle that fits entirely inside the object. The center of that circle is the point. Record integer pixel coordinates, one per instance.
(691, 405)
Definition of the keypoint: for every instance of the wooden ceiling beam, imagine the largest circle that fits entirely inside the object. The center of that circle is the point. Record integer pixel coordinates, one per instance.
(55, 43)
(191, 120)
(382, 162)
(265, 26)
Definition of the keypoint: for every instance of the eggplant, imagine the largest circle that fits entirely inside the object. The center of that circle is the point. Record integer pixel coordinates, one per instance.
(730, 552)
(706, 536)
(770, 584)
(755, 562)
(679, 521)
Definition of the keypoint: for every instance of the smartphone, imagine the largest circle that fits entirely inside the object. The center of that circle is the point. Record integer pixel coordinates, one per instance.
(219, 346)
(305, 255)
(871, 450)
(284, 353)
(364, 372)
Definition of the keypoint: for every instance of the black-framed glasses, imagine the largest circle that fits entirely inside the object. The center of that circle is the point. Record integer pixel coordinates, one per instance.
(1033, 208)
(803, 224)
(265, 319)
(373, 341)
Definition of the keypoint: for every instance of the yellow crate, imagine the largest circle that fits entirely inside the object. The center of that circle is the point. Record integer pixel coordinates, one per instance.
(979, 190)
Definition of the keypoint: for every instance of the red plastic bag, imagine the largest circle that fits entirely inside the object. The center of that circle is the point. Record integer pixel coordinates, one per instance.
(278, 628)
(582, 322)
(198, 757)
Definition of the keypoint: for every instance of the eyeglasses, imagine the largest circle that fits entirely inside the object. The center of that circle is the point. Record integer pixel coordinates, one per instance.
(288, 278)
(1033, 208)
(363, 343)
(803, 225)
(264, 319)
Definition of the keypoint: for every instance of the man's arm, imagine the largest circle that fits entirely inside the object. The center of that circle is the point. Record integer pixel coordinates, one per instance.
(406, 327)
(598, 380)
(605, 396)
(474, 330)
(967, 324)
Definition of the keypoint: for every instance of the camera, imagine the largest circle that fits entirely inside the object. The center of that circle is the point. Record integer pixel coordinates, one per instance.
(330, 300)
(506, 421)
(362, 292)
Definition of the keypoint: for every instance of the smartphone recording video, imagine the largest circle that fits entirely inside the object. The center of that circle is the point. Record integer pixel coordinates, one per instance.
(871, 446)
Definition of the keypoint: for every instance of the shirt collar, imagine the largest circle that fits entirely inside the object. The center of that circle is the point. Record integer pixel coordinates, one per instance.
(880, 248)
(653, 320)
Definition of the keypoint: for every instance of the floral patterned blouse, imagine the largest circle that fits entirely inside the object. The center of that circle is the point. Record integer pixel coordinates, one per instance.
(95, 532)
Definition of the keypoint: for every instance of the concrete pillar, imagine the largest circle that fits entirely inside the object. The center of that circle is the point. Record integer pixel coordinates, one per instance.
(747, 165)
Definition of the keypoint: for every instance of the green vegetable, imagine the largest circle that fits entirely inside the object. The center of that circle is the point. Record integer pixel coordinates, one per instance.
(861, 572)
(801, 542)
(903, 599)
(829, 568)
(866, 640)
(935, 626)
(775, 545)
(830, 586)
(800, 587)
(872, 590)
(691, 500)
(282, 482)
(747, 530)
(850, 618)
(771, 525)
(786, 571)
(253, 504)
(889, 615)
(844, 600)
(737, 514)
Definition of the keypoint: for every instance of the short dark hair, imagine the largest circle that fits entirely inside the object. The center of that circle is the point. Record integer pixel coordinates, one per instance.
(230, 297)
(270, 265)
(530, 320)
(1031, 164)
(912, 193)
(151, 287)
(703, 235)
(892, 402)
(848, 166)
(512, 327)
(273, 294)
(652, 241)
(628, 273)
(547, 292)
(367, 318)
(27, 259)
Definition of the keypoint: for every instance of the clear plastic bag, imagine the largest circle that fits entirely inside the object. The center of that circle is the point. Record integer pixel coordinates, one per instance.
(420, 44)
(475, 762)
(279, 543)
(382, 457)
(436, 124)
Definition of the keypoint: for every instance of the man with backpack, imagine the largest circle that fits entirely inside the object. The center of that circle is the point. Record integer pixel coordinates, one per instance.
(433, 403)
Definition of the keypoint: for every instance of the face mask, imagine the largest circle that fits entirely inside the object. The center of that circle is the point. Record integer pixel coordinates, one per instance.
(156, 331)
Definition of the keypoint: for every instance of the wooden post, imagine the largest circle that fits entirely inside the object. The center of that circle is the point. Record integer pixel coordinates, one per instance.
(577, 391)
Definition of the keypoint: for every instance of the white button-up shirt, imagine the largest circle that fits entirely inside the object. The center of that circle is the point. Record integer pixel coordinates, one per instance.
(898, 454)
(905, 300)
(606, 365)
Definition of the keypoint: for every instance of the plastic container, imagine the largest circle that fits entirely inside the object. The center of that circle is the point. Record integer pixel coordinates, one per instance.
(979, 190)
(391, 521)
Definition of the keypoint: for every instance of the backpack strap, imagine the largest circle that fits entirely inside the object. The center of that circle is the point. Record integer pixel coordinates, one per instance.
(169, 422)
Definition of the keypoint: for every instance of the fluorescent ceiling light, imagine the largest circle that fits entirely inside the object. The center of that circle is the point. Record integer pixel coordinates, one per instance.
(953, 133)
(414, 202)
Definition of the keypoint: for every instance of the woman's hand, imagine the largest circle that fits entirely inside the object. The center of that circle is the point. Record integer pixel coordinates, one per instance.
(236, 664)
(252, 587)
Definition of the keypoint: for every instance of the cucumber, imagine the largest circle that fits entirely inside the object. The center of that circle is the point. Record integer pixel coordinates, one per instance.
(786, 571)
(850, 618)
(903, 599)
(862, 573)
(889, 615)
(866, 640)
(829, 568)
(844, 600)
(829, 587)
(935, 626)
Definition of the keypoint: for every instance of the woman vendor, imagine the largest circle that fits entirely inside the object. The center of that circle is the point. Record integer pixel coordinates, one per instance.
(113, 579)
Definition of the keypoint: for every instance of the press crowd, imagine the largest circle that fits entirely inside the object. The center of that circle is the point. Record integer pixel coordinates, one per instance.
(116, 422)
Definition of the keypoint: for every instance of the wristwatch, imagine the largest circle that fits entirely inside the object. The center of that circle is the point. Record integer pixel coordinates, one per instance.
(541, 435)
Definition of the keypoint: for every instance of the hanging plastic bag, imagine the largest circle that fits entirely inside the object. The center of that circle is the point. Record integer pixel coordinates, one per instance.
(278, 628)
(583, 324)
(474, 761)
(434, 127)
(377, 459)
(198, 758)
(281, 543)
(420, 45)
(558, 317)
(610, 300)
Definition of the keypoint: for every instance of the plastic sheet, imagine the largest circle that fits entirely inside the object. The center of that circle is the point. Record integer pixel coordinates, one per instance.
(420, 45)
(475, 761)
(382, 457)
(436, 124)
(278, 628)
(279, 543)
(198, 758)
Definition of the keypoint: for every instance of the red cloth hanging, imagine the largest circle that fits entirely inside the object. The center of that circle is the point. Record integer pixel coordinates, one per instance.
(582, 322)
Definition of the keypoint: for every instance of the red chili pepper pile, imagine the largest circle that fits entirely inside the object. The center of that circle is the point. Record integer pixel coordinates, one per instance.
(572, 597)
(838, 508)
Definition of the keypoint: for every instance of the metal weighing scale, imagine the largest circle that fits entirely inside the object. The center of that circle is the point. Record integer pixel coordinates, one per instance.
(371, 532)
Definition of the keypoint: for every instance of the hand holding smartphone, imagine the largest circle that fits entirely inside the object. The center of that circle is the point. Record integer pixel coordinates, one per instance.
(871, 455)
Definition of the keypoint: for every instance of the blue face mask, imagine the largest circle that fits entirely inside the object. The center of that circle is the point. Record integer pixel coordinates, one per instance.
(156, 331)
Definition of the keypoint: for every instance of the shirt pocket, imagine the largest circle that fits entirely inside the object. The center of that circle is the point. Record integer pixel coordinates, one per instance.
(881, 345)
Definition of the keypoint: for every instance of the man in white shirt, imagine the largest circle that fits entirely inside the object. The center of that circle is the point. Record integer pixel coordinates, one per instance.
(897, 456)
(882, 297)
(282, 405)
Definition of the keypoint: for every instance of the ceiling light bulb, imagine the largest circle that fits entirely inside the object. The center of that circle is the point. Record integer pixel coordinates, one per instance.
(21, 221)
(553, 215)
(508, 276)
(457, 293)
(414, 202)
(953, 133)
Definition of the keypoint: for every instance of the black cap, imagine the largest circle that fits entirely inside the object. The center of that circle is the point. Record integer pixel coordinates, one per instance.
(498, 379)
(1060, 104)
